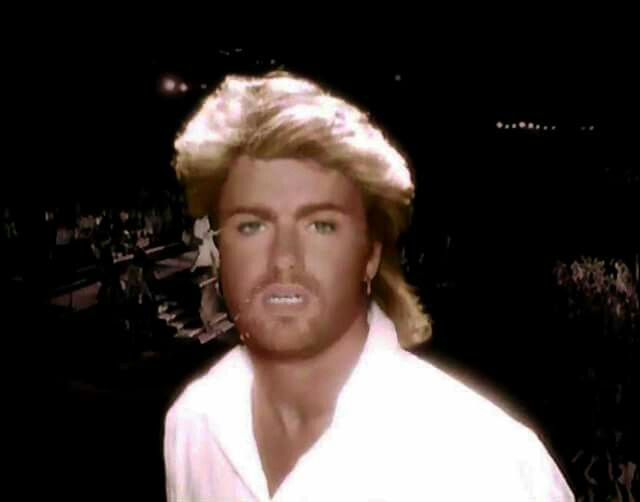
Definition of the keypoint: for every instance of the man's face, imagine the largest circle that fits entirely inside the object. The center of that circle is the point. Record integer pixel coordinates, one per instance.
(294, 253)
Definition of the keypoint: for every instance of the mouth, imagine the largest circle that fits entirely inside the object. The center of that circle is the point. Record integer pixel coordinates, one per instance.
(285, 296)
(284, 299)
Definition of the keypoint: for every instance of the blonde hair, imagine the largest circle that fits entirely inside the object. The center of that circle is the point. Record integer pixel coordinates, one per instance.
(282, 116)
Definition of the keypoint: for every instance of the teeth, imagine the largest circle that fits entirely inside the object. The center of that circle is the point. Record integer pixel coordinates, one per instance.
(286, 299)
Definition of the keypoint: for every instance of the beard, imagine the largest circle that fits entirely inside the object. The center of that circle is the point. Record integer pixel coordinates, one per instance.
(282, 337)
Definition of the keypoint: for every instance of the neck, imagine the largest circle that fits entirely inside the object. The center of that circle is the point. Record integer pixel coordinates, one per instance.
(301, 393)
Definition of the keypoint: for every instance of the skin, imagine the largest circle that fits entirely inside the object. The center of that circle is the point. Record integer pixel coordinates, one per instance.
(290, 221)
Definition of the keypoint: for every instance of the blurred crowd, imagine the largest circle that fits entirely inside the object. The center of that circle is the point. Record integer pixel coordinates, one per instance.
(598, 299)
(71, 238)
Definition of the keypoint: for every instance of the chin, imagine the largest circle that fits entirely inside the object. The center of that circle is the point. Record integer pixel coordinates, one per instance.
(282, 354)
(286, 339)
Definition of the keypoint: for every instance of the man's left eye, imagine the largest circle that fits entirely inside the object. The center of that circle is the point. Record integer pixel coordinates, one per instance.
(324, 227)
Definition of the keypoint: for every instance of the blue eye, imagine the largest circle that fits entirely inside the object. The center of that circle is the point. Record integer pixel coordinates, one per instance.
(324, 227)
(250, 227)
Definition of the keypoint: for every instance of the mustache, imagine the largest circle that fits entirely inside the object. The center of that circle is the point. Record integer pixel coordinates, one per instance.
(301, 280)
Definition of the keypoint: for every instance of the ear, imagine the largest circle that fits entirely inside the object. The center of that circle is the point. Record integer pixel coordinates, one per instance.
(373, 262)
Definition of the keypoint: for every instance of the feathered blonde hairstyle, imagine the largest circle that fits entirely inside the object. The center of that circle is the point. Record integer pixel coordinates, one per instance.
(282, 116)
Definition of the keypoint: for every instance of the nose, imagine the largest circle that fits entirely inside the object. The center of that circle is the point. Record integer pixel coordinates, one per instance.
(286, 250)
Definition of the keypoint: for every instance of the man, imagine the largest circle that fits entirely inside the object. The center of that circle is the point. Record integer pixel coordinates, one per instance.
(207, 255)
(321, 402)
(207, 259)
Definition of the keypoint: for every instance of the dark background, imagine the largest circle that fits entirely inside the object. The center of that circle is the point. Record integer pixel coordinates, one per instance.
(494, 208)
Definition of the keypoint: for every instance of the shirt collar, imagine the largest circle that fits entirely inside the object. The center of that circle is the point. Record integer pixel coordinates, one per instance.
(234, 426)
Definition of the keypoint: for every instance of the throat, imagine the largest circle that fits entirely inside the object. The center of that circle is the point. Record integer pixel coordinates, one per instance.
(281, 442)
(280, 447)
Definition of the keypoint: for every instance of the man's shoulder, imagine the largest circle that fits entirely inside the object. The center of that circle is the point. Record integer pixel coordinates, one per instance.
(445, 421)
(221, 384)
(436, 397)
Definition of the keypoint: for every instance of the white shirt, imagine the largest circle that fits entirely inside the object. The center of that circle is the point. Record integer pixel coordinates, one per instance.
(402, 431)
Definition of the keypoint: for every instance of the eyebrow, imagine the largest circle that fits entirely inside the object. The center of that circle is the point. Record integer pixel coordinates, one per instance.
(266, 212)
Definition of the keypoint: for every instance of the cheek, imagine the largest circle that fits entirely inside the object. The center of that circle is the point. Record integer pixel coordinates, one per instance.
(241, 269)
(339, 267)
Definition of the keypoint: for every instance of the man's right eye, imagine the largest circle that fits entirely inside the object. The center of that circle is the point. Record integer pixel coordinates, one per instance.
(250, 227)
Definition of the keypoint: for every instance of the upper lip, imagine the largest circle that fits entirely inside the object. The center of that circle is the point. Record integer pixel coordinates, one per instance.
(285, 290)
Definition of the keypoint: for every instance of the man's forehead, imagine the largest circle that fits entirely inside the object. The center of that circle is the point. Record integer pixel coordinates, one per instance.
(302, 170)
(288, 183)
